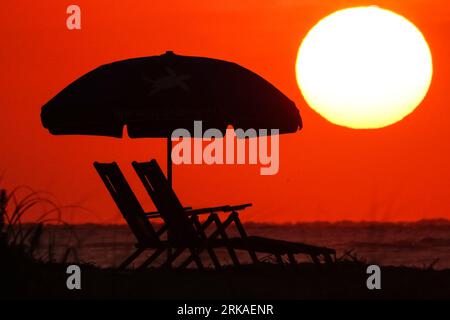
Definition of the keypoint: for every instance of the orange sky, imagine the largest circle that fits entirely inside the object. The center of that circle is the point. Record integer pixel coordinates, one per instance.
(326, 172)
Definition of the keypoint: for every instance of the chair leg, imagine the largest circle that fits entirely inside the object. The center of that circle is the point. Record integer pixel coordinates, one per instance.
(222, 232)
(279, 259)
(196, 258)
(211, 252)
(201, 229)
(292, 259)
(131, 258)
(186, 262)
(219, 231)
(243, 234)
(173, 256)
(169, 257)
(315, 259)
(223, 225)
(328, 258)
(214, 258)
(152, 258)
(161, 231)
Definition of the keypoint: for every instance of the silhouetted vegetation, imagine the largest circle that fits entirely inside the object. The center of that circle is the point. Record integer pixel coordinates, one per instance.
(26, 240)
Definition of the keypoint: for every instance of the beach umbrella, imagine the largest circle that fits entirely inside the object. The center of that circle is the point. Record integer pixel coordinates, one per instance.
(153, 96)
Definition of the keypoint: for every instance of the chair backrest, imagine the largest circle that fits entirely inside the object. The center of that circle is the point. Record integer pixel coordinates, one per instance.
(180, 227)
(127, 202)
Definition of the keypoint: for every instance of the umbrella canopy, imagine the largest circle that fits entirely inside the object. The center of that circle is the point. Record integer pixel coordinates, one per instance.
(155, 95)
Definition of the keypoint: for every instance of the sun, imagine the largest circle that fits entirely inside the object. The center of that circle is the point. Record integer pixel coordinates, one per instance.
(364, 67)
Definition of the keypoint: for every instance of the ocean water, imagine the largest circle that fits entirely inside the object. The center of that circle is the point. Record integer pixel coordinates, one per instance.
(421, 244)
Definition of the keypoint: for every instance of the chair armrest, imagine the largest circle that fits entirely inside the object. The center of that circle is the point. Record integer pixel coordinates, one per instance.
(155, 214)
(226, 208)
(191, 212)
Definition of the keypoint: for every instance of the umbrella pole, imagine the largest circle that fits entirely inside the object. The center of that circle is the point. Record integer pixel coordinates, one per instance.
(169, 160)
(169, 179)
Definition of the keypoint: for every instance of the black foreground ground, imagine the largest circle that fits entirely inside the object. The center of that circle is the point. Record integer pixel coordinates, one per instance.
(25, 278)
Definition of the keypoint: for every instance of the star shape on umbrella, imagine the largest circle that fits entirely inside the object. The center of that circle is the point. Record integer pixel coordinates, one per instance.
(171, 80)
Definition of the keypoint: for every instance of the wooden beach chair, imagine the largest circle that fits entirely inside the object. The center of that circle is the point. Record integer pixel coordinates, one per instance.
(189, 232)
(138, 220)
